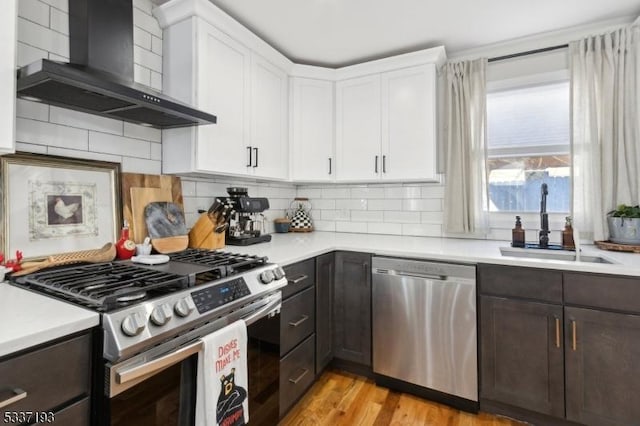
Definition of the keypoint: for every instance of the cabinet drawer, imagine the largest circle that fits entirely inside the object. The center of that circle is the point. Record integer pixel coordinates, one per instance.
(299, 276)
(527, 283)
(296, 374)
(77, 414)
(50, 376)
(602, 291)
(297, 319)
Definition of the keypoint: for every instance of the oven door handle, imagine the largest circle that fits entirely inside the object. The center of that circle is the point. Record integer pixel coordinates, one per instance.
(271, 307)
(158, 364)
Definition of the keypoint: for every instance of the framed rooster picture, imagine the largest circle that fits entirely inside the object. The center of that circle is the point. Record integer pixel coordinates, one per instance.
(53, 205)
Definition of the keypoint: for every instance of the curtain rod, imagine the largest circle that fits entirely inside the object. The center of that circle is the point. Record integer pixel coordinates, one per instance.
(528, 52)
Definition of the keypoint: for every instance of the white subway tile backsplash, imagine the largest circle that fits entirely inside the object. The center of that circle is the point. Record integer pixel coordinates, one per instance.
(210, 189)
(312, 193)
(59, 21)
(431, 217)
(402, 217)
(142, 132)
(69, 117)
(335, 215)
(52, 150)
(367, 192)
(60, 58)
(28, 54)
(42, 133)
(113, 144)
(141, 38)
(350, 204)
(402, 192)
(422, 230)
(139, 165)
(62, 5)
(29, 147)
(336, 192)
(433, 191)
(146, 22)
(32, 110)
(156, 81)
(156, 45)
(323, 204)
(384, 228)
(156, 151)
(141, 75)
(366, 216)
(359, 227)
(188, 188)
(147, 59)
(42, 37)
(324, 225)
(144, 5)
(429, 205)
(35, 11)
(386, 204)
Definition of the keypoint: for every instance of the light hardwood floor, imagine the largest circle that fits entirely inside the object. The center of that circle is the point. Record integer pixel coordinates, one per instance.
(340, 398)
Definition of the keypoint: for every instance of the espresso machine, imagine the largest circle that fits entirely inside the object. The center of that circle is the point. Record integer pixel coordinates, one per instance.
(246, 221)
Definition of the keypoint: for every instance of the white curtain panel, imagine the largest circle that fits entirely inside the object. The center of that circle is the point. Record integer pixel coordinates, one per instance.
(465, 200)
(605, 119)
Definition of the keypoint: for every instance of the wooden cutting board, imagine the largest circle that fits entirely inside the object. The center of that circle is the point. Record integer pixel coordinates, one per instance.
(140, 198)
(138, 180)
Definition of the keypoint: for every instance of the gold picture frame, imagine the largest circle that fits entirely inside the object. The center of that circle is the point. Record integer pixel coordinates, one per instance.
(54, 205)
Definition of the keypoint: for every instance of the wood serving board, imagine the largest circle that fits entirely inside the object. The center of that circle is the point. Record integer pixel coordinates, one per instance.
(608, 245)
(138, 180)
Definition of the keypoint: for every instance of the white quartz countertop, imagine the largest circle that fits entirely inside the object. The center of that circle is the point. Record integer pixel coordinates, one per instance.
(29, 319)
(289, 248)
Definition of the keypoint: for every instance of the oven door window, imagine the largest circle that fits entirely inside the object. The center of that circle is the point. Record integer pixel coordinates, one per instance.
(165, 399)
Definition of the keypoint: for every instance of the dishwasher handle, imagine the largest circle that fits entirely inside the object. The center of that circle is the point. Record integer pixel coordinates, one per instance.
(436, 277)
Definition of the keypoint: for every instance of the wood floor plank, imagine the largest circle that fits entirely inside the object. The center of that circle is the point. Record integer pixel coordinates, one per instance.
(343, 399)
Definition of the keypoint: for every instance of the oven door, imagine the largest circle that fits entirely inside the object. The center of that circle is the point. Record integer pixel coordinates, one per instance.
(158, 387)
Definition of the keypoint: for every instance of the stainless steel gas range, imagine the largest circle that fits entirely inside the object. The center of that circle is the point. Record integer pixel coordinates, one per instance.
(153, 317)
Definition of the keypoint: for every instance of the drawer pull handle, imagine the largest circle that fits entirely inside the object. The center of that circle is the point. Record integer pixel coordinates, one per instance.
(297, 379)
(574, 335)
(298, 279)
(557, 332)
(300, 321)
(18, 394)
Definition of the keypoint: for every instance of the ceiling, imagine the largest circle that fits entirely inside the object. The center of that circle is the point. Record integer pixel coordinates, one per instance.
(342, 32)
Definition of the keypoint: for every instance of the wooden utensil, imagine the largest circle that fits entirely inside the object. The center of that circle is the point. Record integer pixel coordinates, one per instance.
(140, 198)
(105, 254)
(138, 180)
(202, 234)
(166, 226)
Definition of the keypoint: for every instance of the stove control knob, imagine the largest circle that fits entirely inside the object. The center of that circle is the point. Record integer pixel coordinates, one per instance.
(266, 277)
(133, 324)
(184, 306)
(278, 273)
(161, 314)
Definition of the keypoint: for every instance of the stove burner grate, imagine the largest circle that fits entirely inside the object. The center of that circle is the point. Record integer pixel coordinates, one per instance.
(223, 264)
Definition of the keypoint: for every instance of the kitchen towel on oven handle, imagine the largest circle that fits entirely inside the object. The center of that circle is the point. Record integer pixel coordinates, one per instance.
(222, 380)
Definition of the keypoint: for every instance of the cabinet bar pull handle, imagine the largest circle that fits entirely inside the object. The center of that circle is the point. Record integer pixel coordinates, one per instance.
(298, 279)
(250, 157)
(574, 335)
(300, 321)
(384, 164)
(557, 332)
(376, 165)
(329, 165)
(256, 151)
(297, 379)
(18, 394)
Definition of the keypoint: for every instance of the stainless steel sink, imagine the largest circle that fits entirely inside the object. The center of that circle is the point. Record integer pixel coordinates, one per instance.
(552, 255)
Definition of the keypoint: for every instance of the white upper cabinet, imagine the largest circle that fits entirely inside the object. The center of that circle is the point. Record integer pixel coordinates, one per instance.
(8, 77)
(269, 101)
(312, 130)
(213, 63)
(409, 124)
(358, 129)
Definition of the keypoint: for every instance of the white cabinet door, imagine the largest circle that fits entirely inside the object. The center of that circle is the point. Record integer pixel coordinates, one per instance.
(8, 77)
(312, 130)
(409, 124)
(223, 90)
(358, 129)
(269, 101)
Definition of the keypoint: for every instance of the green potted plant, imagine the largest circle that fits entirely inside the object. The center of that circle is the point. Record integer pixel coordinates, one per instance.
(624, 225)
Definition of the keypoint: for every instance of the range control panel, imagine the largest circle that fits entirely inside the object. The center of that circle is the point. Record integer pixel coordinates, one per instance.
(213, 297)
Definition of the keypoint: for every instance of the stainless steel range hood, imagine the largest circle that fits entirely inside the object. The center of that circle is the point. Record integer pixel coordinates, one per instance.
(99, 79)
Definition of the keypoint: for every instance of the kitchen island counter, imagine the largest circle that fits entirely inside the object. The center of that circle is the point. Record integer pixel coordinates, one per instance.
(289, 248)
(29, 319)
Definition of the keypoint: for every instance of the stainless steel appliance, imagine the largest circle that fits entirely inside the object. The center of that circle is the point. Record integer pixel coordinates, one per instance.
(247, 223)
(153, 318)
(424, 329)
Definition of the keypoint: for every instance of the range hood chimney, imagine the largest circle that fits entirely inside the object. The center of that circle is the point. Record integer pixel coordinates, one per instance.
(99, 78)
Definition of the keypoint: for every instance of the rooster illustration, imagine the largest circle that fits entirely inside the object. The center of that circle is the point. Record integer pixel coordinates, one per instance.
(65, 211)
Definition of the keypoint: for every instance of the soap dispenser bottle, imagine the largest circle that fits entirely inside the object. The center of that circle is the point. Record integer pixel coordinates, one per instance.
(567, 235)
(517, 234)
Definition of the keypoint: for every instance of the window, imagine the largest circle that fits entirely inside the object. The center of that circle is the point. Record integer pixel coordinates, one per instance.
(528, 143)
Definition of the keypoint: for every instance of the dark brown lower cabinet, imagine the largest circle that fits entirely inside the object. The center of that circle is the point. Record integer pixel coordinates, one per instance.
(325, 277)
(521, 351)
(602, 367)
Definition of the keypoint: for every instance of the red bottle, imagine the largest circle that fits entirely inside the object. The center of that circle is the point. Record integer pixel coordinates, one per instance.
(125, 248)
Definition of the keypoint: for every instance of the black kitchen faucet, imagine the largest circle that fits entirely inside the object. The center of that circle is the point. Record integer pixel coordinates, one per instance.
(544, 217)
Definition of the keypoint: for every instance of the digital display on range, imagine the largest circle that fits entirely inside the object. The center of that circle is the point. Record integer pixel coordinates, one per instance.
(213, 297)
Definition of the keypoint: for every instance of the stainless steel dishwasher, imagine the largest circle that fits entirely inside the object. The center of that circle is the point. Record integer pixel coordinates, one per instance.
(424, 325)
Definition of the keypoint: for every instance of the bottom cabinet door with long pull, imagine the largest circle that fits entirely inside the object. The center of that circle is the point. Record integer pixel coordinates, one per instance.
(602, 367)
(521, 354)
